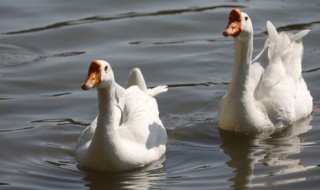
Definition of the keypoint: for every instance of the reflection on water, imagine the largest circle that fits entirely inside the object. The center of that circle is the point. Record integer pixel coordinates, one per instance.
(143, 178)
(249, 155)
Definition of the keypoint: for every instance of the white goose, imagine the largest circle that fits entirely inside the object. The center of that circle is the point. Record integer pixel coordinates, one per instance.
(268, 93)
(127, 132)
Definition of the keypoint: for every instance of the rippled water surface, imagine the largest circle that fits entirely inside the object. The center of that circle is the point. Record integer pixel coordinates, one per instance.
(46, 47)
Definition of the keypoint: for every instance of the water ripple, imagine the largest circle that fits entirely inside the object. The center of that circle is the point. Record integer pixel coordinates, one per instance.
(311, 70)
(15, 129)
(177, 41)
(62, 121)
(300, 26)
(291, 27)
(97, 18)
(32, 97)
(15, 55)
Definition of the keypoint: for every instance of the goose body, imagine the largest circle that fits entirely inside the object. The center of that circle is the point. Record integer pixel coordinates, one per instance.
(267, 93)
(127, 133)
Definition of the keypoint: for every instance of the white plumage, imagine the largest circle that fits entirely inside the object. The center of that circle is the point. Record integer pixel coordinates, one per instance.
(127, 132)
(268, 93)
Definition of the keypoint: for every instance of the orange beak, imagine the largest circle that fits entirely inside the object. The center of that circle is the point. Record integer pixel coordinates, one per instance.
(94, 76)
(234, 25)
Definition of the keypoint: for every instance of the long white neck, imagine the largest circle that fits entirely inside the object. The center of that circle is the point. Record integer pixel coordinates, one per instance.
(103, 146)
(240, 96)
(108, 118)
(107, 101)
(241, 68)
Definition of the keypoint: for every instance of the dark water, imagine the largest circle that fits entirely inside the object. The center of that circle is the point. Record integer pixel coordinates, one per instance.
(46, 47)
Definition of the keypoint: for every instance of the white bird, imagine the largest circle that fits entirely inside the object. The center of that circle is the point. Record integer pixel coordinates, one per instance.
(268, 93)
(127, 133)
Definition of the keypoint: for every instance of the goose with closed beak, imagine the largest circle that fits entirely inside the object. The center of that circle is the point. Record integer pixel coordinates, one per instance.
(127, 133)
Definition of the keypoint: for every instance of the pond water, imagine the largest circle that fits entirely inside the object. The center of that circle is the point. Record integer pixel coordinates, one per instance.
(46, 47)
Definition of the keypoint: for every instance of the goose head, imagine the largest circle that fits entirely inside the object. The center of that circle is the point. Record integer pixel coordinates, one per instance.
(100, 75)
(239, 25)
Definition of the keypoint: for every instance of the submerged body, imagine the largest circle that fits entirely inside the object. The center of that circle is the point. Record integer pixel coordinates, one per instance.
(127, 132)
(268, 93)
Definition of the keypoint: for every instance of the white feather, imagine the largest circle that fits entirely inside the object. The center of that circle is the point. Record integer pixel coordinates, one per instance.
(268, 93)
(127, 132)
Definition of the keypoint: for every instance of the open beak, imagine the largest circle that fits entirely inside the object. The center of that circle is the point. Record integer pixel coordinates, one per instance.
(234, 26)
(94, 76)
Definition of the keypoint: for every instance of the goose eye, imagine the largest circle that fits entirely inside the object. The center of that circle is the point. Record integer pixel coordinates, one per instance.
(105, 68)
(246, 18)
